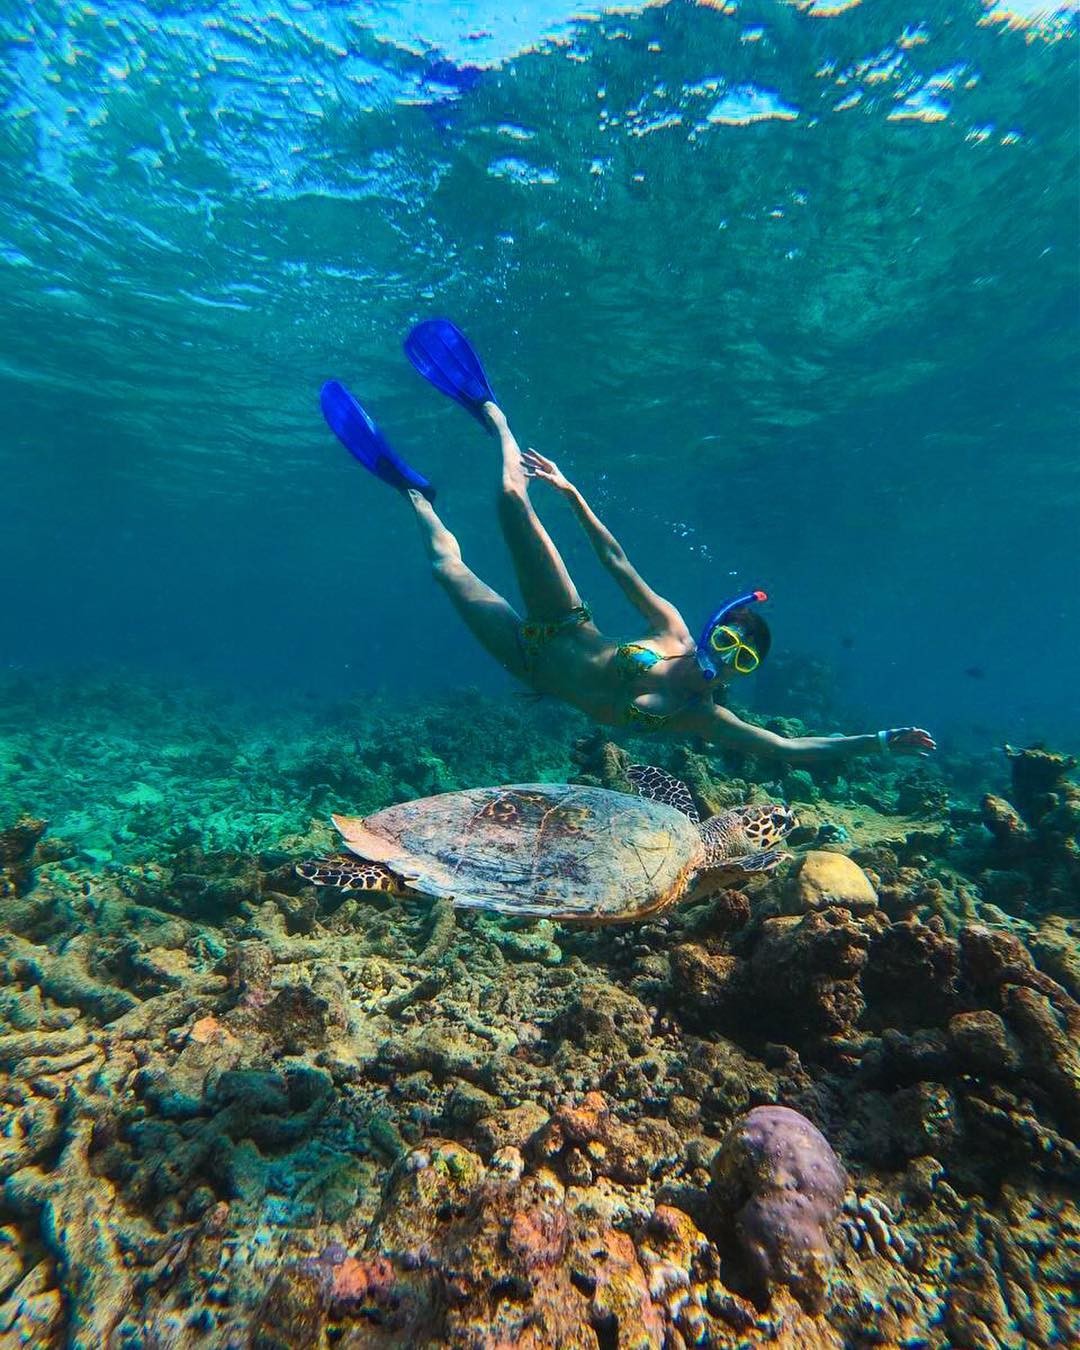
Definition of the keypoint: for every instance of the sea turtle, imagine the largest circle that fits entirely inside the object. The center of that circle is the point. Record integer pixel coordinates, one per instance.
(557, 850)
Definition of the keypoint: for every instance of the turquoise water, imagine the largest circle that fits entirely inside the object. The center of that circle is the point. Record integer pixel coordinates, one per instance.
(790, 289)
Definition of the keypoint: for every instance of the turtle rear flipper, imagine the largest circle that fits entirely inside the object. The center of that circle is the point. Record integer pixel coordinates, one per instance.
(656, 785)
(350, 874)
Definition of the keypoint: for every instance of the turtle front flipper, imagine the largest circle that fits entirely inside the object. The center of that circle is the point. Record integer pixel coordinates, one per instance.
(728, 873)
(656, 785)
(351, 874)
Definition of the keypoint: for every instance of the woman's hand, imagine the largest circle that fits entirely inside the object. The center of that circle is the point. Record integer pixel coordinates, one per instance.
(908, 741)
(536, 466)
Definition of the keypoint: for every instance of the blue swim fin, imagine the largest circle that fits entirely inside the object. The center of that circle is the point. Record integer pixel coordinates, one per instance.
(363, 439)
(442, 354)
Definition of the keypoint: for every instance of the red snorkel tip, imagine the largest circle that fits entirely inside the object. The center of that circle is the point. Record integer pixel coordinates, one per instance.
(759, 596)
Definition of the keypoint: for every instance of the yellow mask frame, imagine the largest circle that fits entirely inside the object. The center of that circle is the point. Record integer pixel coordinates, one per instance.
(729, 644)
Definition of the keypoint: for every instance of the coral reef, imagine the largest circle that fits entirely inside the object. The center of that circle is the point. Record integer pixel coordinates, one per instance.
(234, 1111)
(17, 846)
(1033, 864)
(821, 880)
(778, 1183)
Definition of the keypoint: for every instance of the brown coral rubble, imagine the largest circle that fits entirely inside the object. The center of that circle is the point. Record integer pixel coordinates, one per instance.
(239, 1113)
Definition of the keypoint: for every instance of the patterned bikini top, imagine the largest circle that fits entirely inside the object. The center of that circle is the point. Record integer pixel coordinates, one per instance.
(631, 659)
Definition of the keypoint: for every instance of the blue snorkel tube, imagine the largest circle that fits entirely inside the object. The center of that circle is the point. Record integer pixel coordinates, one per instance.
(704, 652)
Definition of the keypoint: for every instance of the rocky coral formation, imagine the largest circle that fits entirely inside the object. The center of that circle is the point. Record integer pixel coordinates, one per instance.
(17, 846)
(821, 880)
(778, 1184)
(460, 1254)
(1033, 864)
(236, 1111)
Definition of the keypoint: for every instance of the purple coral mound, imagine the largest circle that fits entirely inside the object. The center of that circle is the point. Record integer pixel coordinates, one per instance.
(778, 1185)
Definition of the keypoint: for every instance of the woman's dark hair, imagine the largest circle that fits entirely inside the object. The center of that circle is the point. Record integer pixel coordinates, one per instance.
(754, 629)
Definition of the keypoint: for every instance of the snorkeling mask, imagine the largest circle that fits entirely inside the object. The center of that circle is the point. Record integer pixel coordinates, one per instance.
(722, 643)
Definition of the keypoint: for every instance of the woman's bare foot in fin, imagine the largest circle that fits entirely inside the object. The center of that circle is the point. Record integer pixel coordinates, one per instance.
(495, 416)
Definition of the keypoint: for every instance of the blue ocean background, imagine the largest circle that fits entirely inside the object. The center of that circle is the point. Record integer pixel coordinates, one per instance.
(789, 289)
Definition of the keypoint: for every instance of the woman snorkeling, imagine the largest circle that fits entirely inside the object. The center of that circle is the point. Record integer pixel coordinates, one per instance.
(665, 681)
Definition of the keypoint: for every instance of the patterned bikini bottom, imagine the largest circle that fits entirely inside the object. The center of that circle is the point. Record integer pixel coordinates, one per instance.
(535, 634)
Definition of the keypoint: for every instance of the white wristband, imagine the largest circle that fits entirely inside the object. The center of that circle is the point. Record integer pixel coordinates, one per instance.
(883, 742)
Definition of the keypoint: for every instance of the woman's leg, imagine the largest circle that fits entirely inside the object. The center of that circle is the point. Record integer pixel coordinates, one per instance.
(492, 620)
(546, 587)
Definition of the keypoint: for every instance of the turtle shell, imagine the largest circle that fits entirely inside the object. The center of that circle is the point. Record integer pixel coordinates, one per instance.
(541, 849)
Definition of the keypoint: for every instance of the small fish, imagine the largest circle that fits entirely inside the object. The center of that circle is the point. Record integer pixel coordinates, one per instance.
(847, 643)
(975, 673)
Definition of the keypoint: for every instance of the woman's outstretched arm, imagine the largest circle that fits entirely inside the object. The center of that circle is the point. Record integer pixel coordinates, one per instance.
(661, 614)
(721, 727)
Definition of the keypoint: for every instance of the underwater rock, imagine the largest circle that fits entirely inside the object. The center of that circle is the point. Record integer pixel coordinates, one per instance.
(65, 977)
(777, 1182)
(534, 942)
(584, 1142)
(982, 1044)
(680, 1263)
(33, 1313)
(727, 912)
(506, 1260)
(300, 912)
(822, 879)
(1050, 1035)
(601, 763)
(994, 1296)
(356, 1285)
(513, 1126)
(1042, 1015)
(703, 982)
(293, 1312)
(799, 786)
(1038, 775)
(912, 975)
(300, 1018)
(17, 844)
(603, 1020)
(992, 958)
(922, 794)
(925, 1120)
(903, 1058)
(804, 974)
(808, 980)
(74, 1208)
(1055, 946)
(251, 967)
(722, 1080)
(1036, 836)
(467, 1104)
(1007, 826)
(1002, 1125)
(364, 1299)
